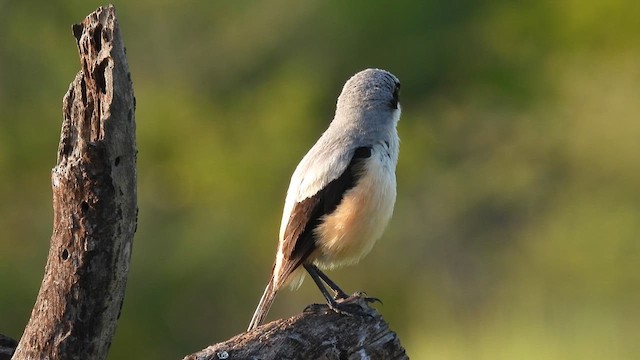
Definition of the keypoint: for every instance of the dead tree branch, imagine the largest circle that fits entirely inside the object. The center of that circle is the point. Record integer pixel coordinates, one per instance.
(317, 333)
(94, 202)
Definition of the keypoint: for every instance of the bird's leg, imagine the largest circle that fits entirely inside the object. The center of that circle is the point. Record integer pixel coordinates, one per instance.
(339, 293)
(313, 272)
(344, 304)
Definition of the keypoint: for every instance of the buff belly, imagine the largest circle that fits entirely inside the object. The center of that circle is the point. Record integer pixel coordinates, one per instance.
(352, 229)
(348, 233)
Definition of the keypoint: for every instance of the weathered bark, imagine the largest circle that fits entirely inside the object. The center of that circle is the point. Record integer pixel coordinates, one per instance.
(94, 202)
(317, 333)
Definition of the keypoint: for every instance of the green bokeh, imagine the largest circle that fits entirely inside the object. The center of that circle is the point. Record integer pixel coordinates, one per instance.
(516, 230)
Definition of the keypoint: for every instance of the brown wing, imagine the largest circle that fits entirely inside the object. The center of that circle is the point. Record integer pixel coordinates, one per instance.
(299, 237)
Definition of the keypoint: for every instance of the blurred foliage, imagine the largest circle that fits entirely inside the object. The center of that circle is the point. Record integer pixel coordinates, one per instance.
(515, 234)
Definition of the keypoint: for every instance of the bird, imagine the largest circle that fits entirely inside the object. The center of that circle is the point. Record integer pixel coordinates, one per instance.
(342, 193)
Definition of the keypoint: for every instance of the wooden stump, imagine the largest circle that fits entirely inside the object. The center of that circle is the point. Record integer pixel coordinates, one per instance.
(94, 202)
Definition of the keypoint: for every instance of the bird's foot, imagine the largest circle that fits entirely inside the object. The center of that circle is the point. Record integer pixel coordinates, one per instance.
(340, 295)
(363, 296)
(356, 304)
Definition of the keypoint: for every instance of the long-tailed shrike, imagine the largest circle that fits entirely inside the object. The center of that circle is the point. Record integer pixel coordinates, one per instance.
(342, 193)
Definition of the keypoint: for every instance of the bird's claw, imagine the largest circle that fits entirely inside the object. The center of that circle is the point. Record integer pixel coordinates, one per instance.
(350, 309)
(356, 304)
(363, 295)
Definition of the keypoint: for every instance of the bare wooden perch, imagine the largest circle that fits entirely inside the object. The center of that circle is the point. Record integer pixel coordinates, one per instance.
(317, 333)
(94, 202)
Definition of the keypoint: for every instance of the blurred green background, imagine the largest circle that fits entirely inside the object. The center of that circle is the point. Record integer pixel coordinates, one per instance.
(516, 229)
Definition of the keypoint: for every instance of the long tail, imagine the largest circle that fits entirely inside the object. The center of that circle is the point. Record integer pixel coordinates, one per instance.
(264, 305)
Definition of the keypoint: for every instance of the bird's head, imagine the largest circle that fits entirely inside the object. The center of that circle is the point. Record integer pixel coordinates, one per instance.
(371, 88)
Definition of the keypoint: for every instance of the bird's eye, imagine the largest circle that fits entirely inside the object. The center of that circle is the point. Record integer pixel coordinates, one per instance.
(394, 102)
